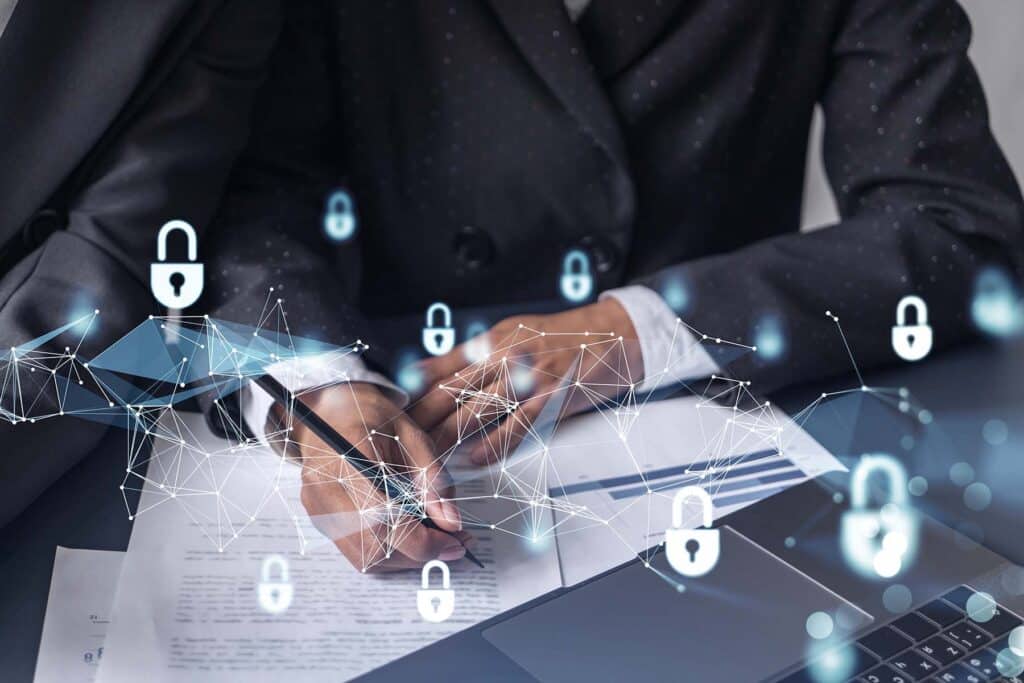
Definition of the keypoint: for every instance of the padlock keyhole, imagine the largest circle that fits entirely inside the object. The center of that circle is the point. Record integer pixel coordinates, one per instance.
(439, 339)
(435, 603)
(177, 280)
(692, 546)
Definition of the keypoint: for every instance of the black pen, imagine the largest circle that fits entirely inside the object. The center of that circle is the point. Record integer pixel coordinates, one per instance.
(370, 469)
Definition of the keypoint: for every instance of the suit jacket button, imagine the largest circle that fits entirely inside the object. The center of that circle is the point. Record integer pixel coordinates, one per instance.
(604, 254)
(473, 247)
(40, 226)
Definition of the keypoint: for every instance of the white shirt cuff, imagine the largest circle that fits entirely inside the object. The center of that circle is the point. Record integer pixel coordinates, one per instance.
(671, 352)
(301, 375)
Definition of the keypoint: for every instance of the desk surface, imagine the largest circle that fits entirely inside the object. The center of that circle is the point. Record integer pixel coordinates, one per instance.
(963, 389)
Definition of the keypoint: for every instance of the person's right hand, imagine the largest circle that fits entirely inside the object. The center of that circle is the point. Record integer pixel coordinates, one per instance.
(348, 509)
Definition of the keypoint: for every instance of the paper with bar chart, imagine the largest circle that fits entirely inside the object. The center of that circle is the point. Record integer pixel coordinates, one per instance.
(609, 512)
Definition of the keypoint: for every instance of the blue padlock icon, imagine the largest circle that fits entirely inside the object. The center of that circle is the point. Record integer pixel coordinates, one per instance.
(577, 282)
(340, 216)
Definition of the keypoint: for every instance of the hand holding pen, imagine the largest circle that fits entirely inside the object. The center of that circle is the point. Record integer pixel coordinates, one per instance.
(343, 433)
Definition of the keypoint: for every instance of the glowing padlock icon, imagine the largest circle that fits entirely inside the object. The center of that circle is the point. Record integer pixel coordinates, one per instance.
(693, 552)
(340, 216)
(576, 282)
(275, 595)
(477, 345)
(176, 285)
(879, 542)
(435, 604)
(439, 339)
(912, 342)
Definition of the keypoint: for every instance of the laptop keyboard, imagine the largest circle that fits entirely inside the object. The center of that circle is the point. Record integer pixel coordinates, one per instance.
(936, 643)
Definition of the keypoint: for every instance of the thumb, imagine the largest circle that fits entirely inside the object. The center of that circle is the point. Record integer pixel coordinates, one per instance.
(431, 477)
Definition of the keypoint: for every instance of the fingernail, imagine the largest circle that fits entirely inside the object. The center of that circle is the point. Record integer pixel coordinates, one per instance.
(451, 513)
(453, 553)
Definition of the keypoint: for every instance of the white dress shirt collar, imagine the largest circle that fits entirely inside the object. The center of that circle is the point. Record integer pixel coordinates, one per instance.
(6, 10)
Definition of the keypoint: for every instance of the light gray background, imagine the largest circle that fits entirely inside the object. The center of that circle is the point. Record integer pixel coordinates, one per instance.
(996, 51)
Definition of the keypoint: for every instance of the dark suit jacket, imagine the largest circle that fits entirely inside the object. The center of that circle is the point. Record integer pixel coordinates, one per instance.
(115, 116)
(483, 138)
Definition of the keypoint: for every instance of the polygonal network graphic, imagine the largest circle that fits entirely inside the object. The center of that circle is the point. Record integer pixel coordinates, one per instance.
(501, 399)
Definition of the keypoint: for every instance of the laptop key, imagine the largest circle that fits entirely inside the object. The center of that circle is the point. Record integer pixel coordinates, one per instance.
(941, 650)
(1001, 623)
(885, 642)
(960, 674)
(915, 626)
(885, 674)
(967, 636)
(914, 664)
(941, 612)
(959, 597)
(984, 662)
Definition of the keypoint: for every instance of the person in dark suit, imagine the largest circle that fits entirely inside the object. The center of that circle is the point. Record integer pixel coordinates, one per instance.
(115, 117)
(482, 139)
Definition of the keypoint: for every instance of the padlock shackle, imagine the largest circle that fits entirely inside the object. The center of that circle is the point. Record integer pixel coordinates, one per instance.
(167, 229)
(919, 305)
(445, 312)
(269, 563)
(685, 493)
(890, 467)
(446, 579)
(578, 257)
(339, 197)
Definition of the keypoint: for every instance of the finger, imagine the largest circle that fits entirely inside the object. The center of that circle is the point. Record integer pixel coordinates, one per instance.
(407, 544)
(438, 403)
(474, 353)
(474, 413)
(433, 370)
(499, 442)
(400, 562)
(383, 537)
(431, 479)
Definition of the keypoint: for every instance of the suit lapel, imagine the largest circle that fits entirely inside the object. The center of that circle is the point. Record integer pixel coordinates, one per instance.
(618, 33)
(66, 70)
(552, 46)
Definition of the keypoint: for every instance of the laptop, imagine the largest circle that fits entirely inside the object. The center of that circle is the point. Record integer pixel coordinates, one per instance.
(948, 617)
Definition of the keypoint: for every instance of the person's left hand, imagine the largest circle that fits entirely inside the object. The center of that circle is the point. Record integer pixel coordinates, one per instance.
(491, 389)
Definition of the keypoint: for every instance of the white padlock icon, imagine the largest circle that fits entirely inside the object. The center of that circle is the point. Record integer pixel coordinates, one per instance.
(879, 542)
(435, 604)
(340, 217)
(439, 340)
(912, 342)
(693, 552)
(577, 283)
(176, 285)
(275, 595)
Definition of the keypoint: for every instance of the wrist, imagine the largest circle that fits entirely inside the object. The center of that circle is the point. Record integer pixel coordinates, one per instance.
(613, 317)
(610, 315)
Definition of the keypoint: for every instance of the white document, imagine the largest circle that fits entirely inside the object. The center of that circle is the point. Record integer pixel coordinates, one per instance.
(613, 475)
(185, 611)
(77, 615)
